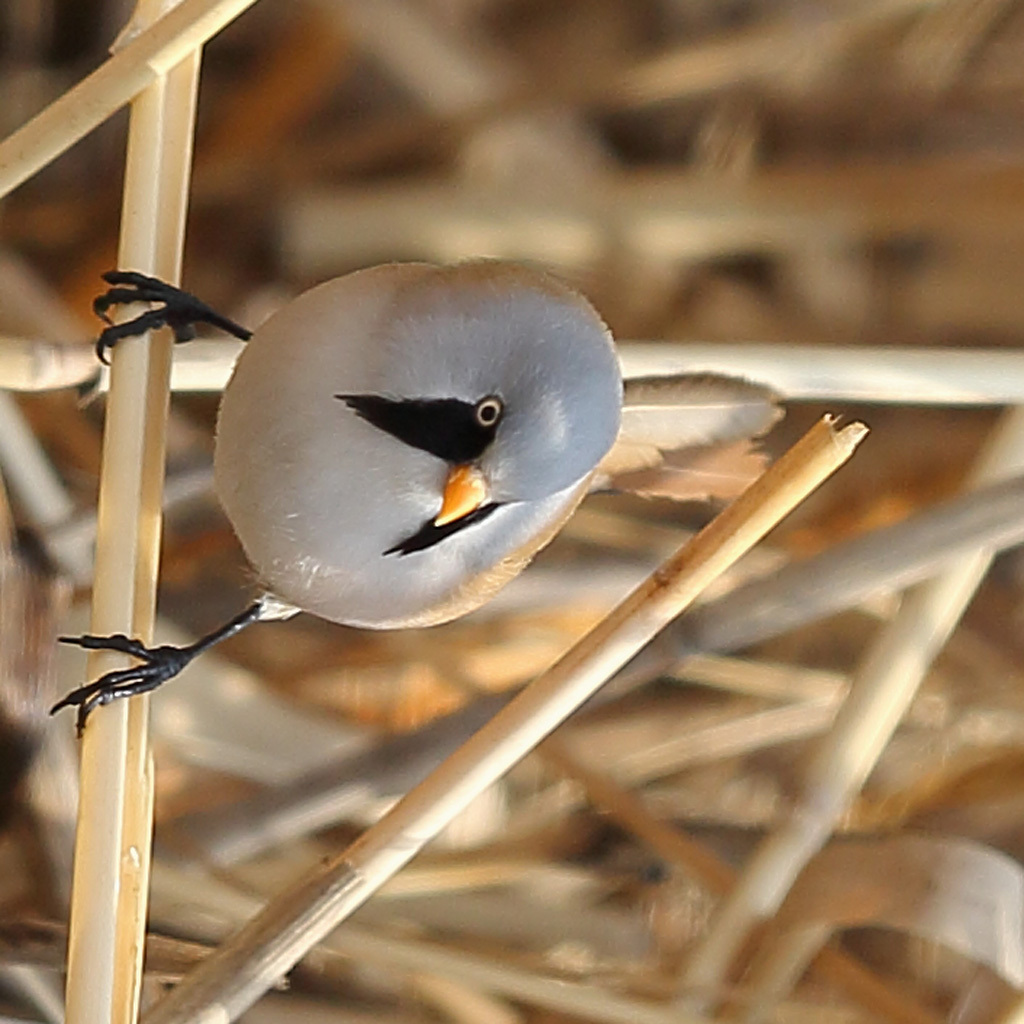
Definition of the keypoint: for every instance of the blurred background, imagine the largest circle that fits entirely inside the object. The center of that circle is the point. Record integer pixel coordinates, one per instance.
(772, 172)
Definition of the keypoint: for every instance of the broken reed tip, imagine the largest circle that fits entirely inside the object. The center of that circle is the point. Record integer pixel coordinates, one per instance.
(853, 434)
(848, 437)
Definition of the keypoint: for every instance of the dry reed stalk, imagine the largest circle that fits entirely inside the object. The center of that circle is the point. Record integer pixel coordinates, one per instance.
(769, 680)
(949, 890)
(885, 560)
(881, 691)
(674, 846)
(802, 373)
(719, 736)
(203, 903)
(702, 863)
(38, 488)
(33, 364)
(291, 924)
(463, 1004)
(581, 999)
(112, 848)
(758, 54)
(197, 902)
(828, 373)
(152, 53)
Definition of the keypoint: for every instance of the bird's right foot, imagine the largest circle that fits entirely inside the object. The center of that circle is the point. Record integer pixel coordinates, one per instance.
(179, 310)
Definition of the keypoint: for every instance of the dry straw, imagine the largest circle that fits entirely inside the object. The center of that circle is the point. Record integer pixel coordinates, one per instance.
(112, 849)
(272, 942)
(157, 70)
(803, 373)
(115, 815)
(141, 62)
(880, 694)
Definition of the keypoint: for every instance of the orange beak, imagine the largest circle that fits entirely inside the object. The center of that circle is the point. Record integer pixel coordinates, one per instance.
(465, 491)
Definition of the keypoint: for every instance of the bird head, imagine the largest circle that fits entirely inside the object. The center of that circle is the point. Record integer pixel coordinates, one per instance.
(506, 376)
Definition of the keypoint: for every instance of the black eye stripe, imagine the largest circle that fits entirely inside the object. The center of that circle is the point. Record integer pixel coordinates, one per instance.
(446, 427)
(430, 534)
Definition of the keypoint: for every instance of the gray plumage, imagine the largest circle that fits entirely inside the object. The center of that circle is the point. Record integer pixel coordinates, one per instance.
(317, 495)
(394, 446)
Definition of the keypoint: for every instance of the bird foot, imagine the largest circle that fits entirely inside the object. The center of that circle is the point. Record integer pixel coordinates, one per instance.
(180, 310)
(158, 665)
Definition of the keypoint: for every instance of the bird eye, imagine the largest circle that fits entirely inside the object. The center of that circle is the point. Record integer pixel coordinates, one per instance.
(488, 410)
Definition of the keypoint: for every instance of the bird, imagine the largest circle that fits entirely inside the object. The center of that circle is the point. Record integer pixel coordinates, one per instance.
(396, 444)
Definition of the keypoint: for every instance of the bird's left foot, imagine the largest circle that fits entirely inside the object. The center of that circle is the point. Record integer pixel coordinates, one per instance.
(179, 310)
(158, 665)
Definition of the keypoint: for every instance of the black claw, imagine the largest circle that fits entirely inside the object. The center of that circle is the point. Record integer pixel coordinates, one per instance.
(180, 310)
(134, 278)
(114, 642)
(117, 296)
(158, 665)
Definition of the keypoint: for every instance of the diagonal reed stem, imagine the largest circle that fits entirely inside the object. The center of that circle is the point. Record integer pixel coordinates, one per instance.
(141, 62)
(276, 938)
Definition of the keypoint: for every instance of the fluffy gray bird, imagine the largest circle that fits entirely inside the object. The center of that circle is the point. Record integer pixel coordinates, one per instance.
(395, 445)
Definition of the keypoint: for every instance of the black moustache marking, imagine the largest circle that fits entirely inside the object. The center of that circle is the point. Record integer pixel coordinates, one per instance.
(430, 534)
(445, 427)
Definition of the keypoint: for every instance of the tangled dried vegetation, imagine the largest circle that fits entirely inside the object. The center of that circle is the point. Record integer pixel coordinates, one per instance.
(805, 801)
